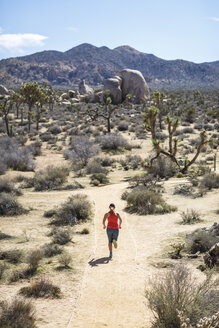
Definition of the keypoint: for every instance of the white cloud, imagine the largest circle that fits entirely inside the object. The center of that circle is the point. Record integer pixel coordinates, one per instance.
(19, 41)
(215, 19)
(71, 28)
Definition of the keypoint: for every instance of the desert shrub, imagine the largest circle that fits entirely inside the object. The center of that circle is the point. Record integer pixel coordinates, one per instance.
(190, 216)
(41, 288)
(51, 249)
(143, 202)
(16, 275)
(55, 129)
(7, 186)
(183, 189)
(35, 148)
(33, 258)
(49, 213)
(4, 235)
(132, 161)
(210, 180)
(177, 290)
(13, 255)
(3, 267)
(61, 236)
(3, 167)
(106, 161)
(15, 157)
(17, 314)
(124, 195)
(49, 178)
(101, 177)
(85, 231)
(188, 130)
(200, 240)
(77, 208)
(80, 151)
(65, 260)
(163, 167)
(46, 136)
(113, 142)
(10, 206)
(94, 166)
(123, 126)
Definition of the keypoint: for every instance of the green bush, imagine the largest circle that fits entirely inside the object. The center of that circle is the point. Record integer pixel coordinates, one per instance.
(101, 177)
(50, 178)
(41, 288)
(17, 314)
(9, 206)
(177, 290)
(76, 209)
(147, 202)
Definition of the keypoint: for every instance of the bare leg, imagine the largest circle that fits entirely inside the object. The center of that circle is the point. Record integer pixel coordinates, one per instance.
(110, 247)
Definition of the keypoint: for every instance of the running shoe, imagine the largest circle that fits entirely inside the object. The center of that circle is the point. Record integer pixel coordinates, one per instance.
(115, 243)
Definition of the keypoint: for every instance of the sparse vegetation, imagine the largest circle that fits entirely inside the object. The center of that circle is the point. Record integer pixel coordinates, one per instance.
(10, 206)
(146, 202)
(65, 260)
(19, 313)
(76, 209)
(190, 216)
(61, 235)
(51, 249)
(200, 240)
(178, 290)
(41, 288)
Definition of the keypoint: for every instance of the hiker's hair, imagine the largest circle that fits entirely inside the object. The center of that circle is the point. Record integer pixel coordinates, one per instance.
(112, 205)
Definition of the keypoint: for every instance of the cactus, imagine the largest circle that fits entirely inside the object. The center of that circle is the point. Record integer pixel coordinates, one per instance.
(212, 322)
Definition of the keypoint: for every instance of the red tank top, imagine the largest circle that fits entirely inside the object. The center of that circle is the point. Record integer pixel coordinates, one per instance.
(112, 221)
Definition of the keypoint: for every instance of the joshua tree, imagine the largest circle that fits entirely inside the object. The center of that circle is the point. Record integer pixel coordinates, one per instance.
(17, 100)
(150, 119)
(104, 110)
(158, 98)
(31, 93)
(5, 107)
(42, 100)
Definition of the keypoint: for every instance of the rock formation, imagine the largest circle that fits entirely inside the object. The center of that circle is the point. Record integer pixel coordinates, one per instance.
(84, 89)
(211, 258)
(3, 90)
(128, 81)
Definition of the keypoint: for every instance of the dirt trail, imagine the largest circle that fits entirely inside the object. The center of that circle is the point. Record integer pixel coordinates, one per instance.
(112, 293)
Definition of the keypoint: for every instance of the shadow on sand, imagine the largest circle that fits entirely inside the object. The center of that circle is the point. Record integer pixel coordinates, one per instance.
(102, 260)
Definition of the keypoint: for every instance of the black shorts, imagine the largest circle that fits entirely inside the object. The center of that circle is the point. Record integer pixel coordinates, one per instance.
(112, 234)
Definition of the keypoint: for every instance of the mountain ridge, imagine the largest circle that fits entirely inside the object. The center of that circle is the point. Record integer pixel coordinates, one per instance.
(94, 64)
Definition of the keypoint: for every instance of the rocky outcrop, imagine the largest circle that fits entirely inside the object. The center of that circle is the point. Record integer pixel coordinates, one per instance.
(211, 258)
(84, 89)
(133, 83)
(3, 90)
(128, 81)
(114, 86)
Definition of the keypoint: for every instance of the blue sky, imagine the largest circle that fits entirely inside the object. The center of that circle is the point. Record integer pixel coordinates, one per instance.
(170, 29)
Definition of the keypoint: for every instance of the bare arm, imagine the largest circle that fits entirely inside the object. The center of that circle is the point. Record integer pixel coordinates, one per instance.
(120, 220)
(104, 220)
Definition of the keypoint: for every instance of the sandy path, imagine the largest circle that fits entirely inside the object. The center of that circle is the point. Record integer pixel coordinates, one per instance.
(112, 293)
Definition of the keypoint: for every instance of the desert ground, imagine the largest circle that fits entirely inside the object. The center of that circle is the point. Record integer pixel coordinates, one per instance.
(96, 291)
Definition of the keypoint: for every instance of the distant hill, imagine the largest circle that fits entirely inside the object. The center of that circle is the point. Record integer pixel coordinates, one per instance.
(94, 64)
